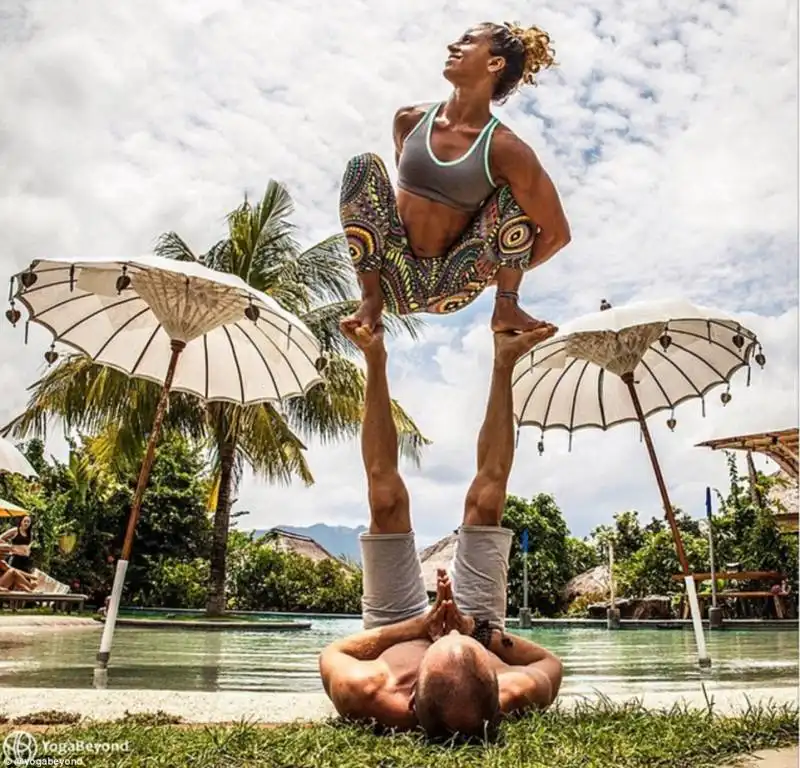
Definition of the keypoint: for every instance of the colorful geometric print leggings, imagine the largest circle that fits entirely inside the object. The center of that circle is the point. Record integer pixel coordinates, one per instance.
(377, 240)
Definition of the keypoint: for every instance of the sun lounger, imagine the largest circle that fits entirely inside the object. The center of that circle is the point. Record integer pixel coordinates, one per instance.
(48, 592)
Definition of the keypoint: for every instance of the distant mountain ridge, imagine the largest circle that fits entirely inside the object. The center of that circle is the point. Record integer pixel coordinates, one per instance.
(339, 540)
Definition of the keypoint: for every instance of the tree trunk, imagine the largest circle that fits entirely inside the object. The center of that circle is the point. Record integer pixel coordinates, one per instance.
(216, 603)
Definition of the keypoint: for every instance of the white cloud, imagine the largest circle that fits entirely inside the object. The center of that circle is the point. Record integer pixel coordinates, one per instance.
(670, 128)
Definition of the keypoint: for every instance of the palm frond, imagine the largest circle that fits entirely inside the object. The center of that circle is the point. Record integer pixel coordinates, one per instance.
(218, 256)
(326, 271)
(335, 411)
(270, 447)
(323, 322)
(397, 324)
(90, 397)
(262, 234)
(172, 246)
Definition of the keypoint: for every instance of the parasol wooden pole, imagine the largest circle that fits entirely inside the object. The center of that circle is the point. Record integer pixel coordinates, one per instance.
(697, 623)
(136, 507)
(662, 486)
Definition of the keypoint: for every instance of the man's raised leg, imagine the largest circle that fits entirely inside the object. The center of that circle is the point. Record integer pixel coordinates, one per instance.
(480, 567)
(388, 497)
(394, 589)
(487, 494)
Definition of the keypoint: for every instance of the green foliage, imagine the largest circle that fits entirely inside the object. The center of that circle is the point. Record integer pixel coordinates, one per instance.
(582, 556)
(579, 608)
(262, 578)
(548, 552)
(91, 499)
(626, 533)
(649, 570)
(177, 584)
(745, 532)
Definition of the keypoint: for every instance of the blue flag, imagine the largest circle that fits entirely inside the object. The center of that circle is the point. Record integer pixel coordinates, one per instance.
(708, 502)
(524, 542)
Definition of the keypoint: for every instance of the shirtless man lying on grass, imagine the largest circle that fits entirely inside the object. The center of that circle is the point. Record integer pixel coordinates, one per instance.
(450, 668)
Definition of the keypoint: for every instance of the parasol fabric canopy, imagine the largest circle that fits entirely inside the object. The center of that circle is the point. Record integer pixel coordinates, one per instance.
(625, 364)
(675, 350)
(7, 509)
(12, 460)
(241, 345)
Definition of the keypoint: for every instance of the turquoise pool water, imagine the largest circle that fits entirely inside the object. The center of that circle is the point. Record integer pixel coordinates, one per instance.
(625, 661)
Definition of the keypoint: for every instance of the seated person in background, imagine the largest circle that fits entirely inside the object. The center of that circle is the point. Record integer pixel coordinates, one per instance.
(13, 580)
(20, 539)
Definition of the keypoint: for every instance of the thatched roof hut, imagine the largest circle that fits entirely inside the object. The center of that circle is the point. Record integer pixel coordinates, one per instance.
(285, 541)
(596, 581)
(438, 555)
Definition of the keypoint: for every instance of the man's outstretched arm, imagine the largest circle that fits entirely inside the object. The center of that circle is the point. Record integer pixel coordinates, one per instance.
(356, 682)
(533, 677)
(351, 675)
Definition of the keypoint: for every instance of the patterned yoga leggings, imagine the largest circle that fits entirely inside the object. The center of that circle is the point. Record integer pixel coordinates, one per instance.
(500, 232)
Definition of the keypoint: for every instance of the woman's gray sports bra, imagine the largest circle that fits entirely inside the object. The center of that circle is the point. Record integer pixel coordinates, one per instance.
(464, 183)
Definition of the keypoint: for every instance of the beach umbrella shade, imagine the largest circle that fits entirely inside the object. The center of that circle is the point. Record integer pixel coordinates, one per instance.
(625, 364)
(183, 325)
(12, 460)
(7, 509)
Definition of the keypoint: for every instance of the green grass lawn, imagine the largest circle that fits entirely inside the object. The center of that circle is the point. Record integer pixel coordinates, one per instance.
(597, 736)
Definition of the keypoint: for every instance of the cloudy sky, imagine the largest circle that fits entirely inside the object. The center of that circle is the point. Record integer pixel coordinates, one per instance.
(670, 128)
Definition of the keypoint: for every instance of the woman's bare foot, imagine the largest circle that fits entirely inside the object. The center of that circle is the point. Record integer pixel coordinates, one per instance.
(508, 317)
(364, 320)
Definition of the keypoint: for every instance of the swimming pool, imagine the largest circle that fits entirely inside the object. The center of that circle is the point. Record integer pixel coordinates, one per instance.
(595, 659)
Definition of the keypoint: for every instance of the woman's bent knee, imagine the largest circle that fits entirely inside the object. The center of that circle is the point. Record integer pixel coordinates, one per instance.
(366, 159)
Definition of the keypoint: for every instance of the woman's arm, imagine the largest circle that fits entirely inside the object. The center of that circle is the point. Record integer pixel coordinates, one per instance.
(516, 165)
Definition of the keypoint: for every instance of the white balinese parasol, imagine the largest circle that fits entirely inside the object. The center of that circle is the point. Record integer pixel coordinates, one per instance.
(12, 460)
(144, 315)
(625, 364)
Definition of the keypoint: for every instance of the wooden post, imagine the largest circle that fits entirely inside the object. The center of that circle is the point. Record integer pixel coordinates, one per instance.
(662, 486)
(691, 594)
(104, 653)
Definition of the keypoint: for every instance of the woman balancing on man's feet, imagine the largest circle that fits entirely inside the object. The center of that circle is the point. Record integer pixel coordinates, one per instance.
(473, 207)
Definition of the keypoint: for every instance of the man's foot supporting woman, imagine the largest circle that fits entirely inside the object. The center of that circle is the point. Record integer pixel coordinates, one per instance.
(368, 316)
(364, 321)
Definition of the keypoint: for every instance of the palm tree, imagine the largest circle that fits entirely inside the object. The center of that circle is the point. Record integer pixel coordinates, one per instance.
(315, 284)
